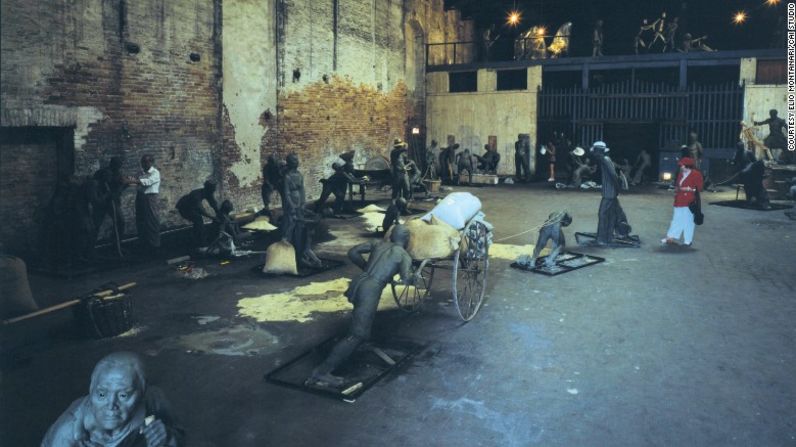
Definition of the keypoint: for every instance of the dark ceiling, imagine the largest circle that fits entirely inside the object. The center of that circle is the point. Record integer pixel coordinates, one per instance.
(622, 18)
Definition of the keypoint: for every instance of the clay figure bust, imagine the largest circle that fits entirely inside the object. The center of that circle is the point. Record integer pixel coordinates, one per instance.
(120, 410)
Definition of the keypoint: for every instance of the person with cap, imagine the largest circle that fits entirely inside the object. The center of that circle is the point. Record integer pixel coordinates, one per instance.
(385, 260)
(688, 184)
(580, 167)
(191, 208)
(400, 174)
(612, 220)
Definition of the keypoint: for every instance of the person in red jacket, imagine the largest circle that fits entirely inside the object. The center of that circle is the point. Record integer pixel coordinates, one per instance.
(688, 182)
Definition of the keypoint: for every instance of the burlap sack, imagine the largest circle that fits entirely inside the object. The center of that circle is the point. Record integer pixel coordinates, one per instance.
(15, 296)
(430, 240)
(280, 258)
(260, 224)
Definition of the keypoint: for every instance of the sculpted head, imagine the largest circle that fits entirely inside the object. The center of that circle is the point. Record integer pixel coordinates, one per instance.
(117, 390)
(400, 235)
(292, 161)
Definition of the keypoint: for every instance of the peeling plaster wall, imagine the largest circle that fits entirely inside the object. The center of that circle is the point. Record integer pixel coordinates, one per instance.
(352, 95)
(207, 87)
(249, 86)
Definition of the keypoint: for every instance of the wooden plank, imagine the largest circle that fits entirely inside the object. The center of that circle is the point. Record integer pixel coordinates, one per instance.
(64, 305)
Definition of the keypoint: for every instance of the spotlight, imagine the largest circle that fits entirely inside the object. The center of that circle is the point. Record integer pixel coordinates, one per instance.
(415, 131)
(666, 176)
(514, 18)
(541, 31)
(772, 2)
(739, 18)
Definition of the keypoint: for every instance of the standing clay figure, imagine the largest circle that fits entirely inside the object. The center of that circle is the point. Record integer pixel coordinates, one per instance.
(272, 181)
(385, 260)
(776, 131)
(294, 223)
(521, 166)
(671, 32)
(597, 39)
(612, 220)
(431, 160)
(400, 175)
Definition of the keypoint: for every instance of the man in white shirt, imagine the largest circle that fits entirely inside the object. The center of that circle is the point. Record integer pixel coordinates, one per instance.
(147, 221)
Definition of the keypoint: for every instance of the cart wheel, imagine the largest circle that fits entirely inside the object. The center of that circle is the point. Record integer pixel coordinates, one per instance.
(410, 297)
(470, 264)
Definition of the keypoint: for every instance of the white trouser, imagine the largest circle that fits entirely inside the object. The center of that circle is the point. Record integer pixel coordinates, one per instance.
(682, 223)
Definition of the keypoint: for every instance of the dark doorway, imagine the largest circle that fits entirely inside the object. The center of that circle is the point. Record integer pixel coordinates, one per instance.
(32, 159)
(626, 140)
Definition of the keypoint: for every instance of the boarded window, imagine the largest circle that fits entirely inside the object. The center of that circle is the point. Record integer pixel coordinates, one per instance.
(771, 72)
(463, 81)
(512, 80)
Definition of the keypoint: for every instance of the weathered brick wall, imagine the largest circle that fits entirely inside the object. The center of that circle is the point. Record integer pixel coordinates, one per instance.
(68, 59)
(346, 88)
(120, 74)
(323, 120)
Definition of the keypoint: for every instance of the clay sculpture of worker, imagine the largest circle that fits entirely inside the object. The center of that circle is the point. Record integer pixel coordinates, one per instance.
(464, 163)
(191, 208)
(400, 174)
(294, 228)
(337, 185)
(397, 208)
(489, 161)
(612, 219)
(272, 181)
(121, 410)
(522, 167)
(776, 131)
(551, 231)
(385, 260)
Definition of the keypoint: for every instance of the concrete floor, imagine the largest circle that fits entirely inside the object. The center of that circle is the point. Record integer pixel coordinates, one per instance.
(653, 347)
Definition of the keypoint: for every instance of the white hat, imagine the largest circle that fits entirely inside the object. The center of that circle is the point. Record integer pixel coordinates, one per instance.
(578, 151)
(600, 145)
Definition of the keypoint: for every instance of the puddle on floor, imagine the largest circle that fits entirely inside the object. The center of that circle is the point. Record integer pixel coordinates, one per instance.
(299, 304)
(238, 340)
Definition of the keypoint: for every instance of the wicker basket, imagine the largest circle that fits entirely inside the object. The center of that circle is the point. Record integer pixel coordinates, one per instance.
(432, 185)
(101, 317)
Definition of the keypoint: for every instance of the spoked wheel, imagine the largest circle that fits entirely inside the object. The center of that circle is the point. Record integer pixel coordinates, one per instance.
(470, 264)
(410, 297)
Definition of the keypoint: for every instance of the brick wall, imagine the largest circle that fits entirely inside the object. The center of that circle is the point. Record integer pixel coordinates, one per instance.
(72, 56)
(121, 76)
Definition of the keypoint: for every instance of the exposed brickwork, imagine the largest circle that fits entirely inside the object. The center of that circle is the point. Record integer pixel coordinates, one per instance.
(120, 74)
(157, 101)
(323, 120)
